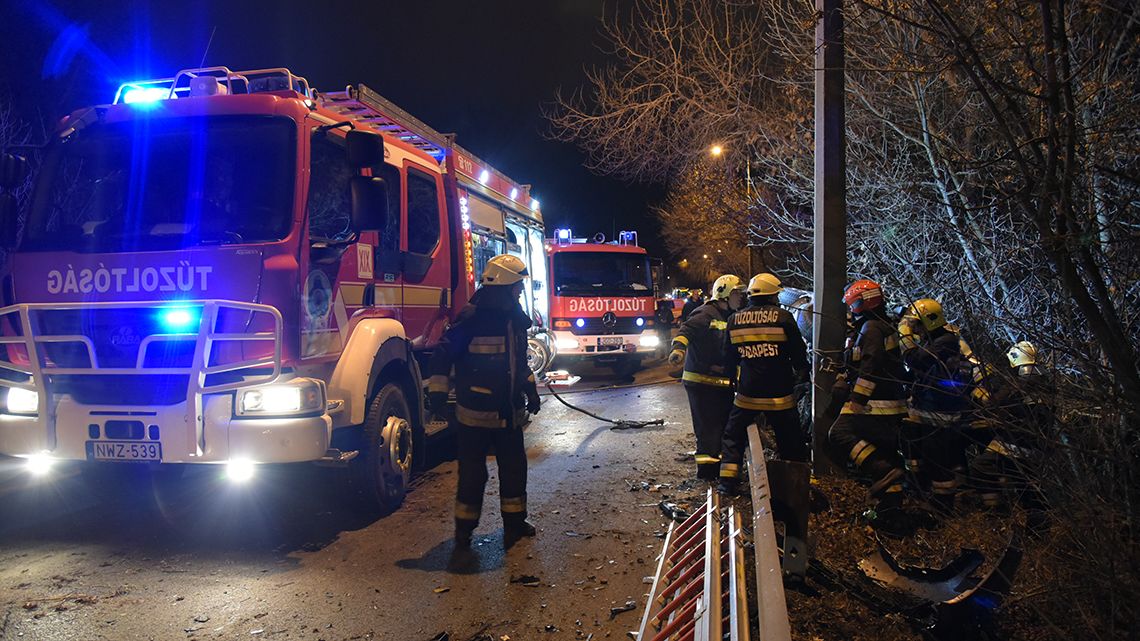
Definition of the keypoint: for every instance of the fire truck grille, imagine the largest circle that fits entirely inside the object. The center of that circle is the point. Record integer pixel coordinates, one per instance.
(116, 334)
(594, 326)
(123, 390)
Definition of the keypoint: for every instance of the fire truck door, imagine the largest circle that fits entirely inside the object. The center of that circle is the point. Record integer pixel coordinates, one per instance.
(425, 251)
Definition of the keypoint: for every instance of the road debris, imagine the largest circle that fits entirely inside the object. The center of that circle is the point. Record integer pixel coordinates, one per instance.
(441, 589)
(673, 511)
(527, 580)
(629, 605)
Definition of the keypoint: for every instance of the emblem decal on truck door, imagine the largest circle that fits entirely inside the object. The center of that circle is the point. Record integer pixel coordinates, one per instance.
(364, 258)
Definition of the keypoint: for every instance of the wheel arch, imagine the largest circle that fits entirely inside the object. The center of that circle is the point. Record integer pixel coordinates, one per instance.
(377, 352)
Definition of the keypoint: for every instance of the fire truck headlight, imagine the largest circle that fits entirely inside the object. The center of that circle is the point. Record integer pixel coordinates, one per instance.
(303, 396)
(239, 470)
(649, 340)
(40, 464)
(22, 401)
(566, 343)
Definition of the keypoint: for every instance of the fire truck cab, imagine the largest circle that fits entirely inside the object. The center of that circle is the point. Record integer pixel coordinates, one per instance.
(602, 301)
(233, 268)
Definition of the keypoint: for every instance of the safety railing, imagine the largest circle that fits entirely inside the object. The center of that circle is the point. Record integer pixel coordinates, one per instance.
(23, 327)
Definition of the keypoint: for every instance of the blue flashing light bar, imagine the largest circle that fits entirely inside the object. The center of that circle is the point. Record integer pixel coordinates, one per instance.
(144, 95)
(180, 320)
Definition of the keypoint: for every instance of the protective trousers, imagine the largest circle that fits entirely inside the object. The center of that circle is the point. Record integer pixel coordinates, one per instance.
(934, 453)
(871, 443)
(474, 445)
(785, 423)
(709, 406)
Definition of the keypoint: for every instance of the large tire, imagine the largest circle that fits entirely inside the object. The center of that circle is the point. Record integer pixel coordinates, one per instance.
(383, 469)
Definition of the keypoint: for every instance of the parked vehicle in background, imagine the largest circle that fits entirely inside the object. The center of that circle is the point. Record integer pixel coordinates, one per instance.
(602, 304)
(232, 268)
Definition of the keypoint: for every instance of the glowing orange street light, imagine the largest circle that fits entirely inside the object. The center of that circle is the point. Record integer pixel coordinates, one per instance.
(716, 151)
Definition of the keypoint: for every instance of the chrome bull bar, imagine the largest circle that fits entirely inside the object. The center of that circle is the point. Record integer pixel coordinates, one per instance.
(207, 337)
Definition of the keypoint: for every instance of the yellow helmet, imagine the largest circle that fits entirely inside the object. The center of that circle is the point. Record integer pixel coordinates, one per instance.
(929, 311)
(504, 269)
(725, 285)
(764, 285)
(1023, 353)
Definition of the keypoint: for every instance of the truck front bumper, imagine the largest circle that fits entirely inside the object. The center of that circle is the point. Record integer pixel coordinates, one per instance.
(568, 344)
(75, 429)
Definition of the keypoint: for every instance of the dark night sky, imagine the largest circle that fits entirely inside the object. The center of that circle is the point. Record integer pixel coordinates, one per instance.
(481, 69)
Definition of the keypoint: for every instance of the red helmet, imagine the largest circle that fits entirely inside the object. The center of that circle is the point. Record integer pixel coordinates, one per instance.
(862, 296)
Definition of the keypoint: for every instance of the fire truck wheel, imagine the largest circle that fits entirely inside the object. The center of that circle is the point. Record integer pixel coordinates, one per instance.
(382, 471)
(537, 356)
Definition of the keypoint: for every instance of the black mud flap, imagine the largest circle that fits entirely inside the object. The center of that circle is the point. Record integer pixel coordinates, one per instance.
(790, 483)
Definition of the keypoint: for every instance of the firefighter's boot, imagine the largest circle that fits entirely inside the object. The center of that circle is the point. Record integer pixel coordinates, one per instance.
(462, 556)
(514, 531)
(708, 471)
(728, 486)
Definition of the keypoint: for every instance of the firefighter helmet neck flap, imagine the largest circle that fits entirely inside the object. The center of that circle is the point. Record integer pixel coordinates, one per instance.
(863, 296)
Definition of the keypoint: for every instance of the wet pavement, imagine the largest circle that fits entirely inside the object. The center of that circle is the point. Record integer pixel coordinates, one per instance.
(287, 557)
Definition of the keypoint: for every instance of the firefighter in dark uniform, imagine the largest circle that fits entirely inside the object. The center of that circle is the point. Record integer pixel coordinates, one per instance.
(486, 346)
(1020, 410)
(700, 344)
(931, 441)
(867, 431)
(767, 357)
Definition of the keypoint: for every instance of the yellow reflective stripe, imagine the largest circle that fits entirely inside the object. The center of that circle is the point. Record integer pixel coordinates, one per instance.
(856, 354)
(438, 383)
(467, 512)
(704, 379)
(512, 505)
(997, 447)
(478, 418)
(863, 386)
(750, 403)
(718, 324)
(893, 489)
(705, 459)
(758, 334)
(481, 390)
(858, 448)
(944, 487)
(730, 470)
(530, 378)
(980, 394)
(682, 340)
(486, 349)
(864, 452)
(932, 418)
(886, 408)
(891, 342)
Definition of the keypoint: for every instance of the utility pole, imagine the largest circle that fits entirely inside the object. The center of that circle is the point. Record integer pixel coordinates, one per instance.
(830, 251)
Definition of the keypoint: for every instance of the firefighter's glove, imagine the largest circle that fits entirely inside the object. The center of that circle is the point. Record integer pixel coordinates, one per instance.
(437, 403)
(676, 357)
(533, 402)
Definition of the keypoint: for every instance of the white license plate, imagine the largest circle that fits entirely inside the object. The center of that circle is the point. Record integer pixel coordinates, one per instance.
(611, 340)
(123, 451)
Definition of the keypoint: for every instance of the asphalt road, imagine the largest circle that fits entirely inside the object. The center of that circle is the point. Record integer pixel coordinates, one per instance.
(286, 557)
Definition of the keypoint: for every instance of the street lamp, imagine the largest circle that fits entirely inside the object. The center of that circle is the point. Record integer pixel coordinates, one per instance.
(716, 151)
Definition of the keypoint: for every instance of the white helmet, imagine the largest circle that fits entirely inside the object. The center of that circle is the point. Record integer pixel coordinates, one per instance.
(725, 285)
(504, 269)
(1023, 353)
(764, 285)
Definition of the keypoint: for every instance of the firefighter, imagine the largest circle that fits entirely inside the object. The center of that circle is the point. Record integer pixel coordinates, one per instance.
(866, 434)
(766, 357)
(696, 299)
(1022, 417)
(486, 346)
(931, 442)
(700, 344)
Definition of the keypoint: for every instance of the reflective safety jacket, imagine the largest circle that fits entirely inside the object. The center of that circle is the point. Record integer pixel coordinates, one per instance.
(1022, 407)
(767, 355)
(702, 338)
(875, 370)
(939, 391)
(486, 346)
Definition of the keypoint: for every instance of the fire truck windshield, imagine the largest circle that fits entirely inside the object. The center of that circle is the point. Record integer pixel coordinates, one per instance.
(165, 183)
(602, 274)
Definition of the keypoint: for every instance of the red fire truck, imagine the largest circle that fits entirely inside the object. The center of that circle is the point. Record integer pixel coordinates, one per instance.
(601, 300)
(232, 268)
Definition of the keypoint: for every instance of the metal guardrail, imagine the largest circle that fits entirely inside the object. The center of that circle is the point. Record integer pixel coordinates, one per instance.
(699, 587)
(771, 605)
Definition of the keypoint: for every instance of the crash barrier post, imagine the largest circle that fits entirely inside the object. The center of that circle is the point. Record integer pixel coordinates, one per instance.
(699, 588)
(771, 605)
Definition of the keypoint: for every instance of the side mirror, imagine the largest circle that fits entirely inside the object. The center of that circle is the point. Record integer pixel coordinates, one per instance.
(369, 203)
(365, 148)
